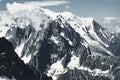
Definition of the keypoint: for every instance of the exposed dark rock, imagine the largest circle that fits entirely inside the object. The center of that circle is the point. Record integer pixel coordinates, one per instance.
(12, 66)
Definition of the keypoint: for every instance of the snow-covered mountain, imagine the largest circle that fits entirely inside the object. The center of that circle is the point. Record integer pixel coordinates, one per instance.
(91, 31)
(61, 45)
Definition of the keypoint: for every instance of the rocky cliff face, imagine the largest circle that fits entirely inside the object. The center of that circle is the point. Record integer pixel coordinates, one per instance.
(94, 68)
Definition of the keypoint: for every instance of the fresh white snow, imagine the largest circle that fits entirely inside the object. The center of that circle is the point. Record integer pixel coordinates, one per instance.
(74, 63)
(26, 59)
(19, 49)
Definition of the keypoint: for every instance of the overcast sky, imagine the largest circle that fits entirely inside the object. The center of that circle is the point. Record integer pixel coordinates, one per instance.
(83, 8)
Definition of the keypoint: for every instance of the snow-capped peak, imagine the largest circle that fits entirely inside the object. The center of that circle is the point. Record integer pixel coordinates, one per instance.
(36, 16)
(88, 29)
(25, 15)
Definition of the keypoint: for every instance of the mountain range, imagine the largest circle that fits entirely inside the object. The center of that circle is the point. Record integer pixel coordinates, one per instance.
(59, 46)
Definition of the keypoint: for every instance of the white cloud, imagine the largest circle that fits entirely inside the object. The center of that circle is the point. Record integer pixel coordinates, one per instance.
(108, 20)
(112, 23)
(15, 7)
(111, 18)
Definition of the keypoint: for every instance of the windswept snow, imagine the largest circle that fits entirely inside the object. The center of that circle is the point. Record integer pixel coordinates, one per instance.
(19, 49)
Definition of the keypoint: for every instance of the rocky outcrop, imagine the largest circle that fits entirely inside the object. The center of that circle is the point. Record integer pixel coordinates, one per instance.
(12, 66)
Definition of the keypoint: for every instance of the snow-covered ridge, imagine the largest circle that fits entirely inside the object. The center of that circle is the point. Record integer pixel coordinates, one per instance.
(87, 28)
